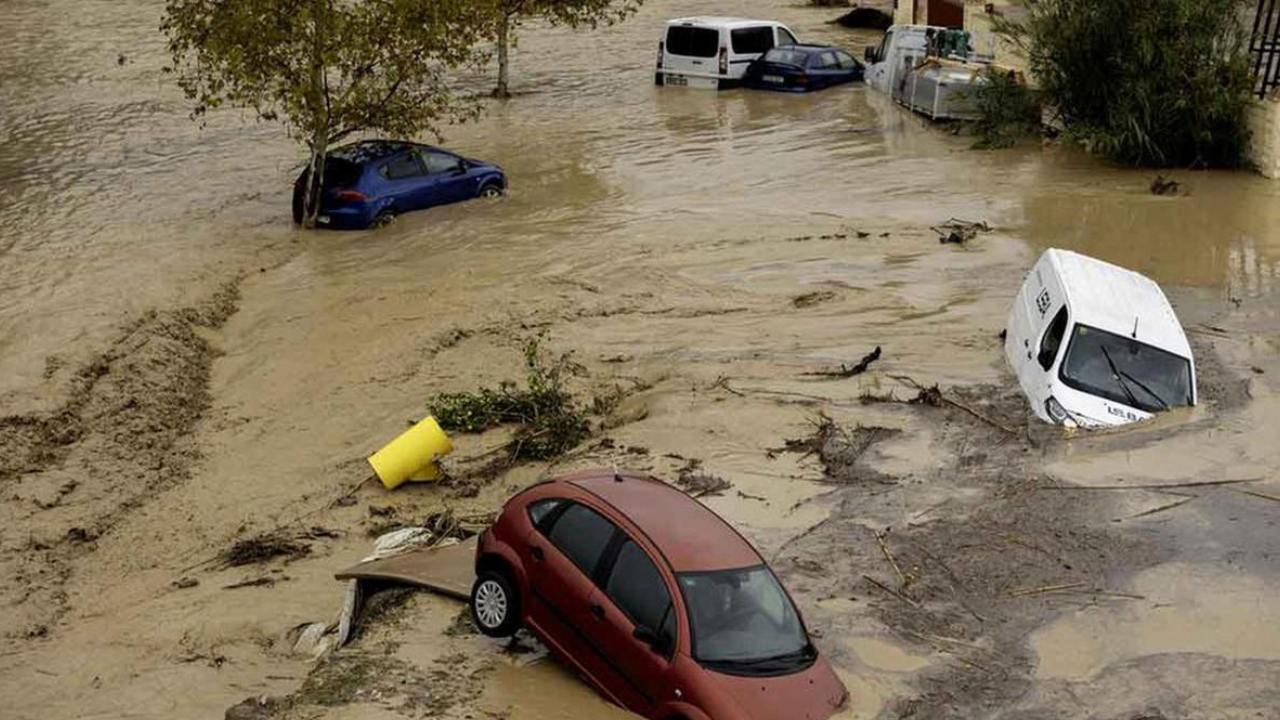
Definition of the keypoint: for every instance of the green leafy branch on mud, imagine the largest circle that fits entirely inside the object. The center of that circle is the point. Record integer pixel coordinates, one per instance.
(551, 420)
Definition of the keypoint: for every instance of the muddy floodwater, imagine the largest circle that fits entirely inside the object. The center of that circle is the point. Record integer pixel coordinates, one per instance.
(181, 368)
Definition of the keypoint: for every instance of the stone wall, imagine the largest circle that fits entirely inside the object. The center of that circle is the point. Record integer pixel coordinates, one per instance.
(1264, 144)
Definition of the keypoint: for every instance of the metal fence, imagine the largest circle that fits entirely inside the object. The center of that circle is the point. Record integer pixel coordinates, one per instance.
(1264, 46)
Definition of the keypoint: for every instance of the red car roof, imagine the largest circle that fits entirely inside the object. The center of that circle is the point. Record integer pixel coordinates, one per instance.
(689, 535)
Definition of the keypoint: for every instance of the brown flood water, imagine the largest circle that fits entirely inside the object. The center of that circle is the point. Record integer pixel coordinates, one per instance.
(667, 228)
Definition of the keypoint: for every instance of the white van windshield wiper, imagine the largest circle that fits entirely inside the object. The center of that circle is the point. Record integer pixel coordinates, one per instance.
(1119, 376)
(1163, 405)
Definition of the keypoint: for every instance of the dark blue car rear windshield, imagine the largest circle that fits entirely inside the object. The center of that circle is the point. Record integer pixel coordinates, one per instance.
(340, 173)
(786, 57)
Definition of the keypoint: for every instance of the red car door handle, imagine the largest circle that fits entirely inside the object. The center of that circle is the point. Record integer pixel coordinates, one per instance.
(536, 551)
(597, 610)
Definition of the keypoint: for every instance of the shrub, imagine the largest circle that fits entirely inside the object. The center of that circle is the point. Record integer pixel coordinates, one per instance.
(1147, 82)
(551, 422)
(1007, 109)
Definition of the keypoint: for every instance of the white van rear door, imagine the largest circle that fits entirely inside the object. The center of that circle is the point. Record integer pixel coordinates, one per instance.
(691, 49)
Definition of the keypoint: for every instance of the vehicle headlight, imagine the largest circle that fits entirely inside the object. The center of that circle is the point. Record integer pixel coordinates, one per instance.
(1056, 412)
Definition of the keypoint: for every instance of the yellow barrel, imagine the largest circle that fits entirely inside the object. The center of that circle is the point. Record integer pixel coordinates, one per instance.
(412, 455)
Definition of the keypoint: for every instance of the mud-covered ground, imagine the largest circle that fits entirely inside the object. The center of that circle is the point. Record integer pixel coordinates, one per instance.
(181, 371)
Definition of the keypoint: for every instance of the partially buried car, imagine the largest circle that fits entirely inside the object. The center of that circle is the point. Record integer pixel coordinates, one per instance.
(370, 182)
(653, 599)
(801, 68)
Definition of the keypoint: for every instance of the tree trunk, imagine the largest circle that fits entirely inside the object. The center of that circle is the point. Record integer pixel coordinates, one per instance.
(319, 143)
(504, 62)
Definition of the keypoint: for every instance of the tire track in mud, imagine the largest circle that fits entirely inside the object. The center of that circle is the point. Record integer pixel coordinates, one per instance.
(122, 435)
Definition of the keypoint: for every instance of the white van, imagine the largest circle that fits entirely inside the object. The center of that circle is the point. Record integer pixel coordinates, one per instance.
(1096, 345)
(900, 50)
(714, 52)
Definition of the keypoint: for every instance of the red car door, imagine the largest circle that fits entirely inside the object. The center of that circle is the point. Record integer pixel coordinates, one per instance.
(634, 594)
(563, 555)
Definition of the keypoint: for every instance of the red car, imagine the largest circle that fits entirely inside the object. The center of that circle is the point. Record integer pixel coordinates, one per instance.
(657, 602)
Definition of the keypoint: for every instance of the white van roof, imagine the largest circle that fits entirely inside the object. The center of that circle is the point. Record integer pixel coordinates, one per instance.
(719, 21)
(1111, 298)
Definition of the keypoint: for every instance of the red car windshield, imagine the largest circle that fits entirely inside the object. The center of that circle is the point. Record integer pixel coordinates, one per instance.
(743, 620)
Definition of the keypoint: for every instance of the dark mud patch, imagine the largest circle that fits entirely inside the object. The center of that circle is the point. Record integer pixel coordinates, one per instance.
(810, 299)
(121, 436)
(262, 548)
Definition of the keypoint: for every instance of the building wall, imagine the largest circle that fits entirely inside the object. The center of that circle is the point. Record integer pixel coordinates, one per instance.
(903, 12)
(1264, 144)
(979, 24)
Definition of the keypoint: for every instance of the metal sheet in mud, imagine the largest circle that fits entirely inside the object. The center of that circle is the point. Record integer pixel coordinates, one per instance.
(448, 570)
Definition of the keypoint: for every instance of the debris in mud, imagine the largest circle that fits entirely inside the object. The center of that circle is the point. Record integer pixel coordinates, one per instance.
(264, 581)
(550, 420)
(959, 232)
(699, 484)
(809, 299)
(263, 547)
(840, 451)
(184, 583)
(851, 370)
(1162, 186)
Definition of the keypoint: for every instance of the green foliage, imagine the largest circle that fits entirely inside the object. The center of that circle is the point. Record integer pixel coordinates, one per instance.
(1147, 82)
(551, 423)
(326, 68)
(1007, 109)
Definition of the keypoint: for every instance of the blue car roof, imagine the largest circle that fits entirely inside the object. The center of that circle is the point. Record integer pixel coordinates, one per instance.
(807, 47)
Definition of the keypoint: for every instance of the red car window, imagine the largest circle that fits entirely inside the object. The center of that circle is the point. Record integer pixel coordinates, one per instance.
(582, 535)
(637, 587)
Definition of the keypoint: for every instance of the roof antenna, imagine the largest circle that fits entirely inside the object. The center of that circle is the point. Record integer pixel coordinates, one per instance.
(1135, 327)
(617, 476)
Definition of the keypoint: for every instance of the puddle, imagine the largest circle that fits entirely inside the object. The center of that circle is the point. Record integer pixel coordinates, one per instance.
(1187, 609)
(887, 656)
(543, 691)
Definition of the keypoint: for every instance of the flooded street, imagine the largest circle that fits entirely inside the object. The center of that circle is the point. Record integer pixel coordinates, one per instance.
(180, 367)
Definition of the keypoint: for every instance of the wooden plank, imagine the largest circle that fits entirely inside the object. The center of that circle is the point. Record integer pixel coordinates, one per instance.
(449, 571)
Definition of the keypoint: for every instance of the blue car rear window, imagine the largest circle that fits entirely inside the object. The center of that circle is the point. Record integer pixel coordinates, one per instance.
(786, 57)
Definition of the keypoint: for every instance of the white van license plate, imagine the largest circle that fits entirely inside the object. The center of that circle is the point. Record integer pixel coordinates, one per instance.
(678, 80)
(773, 78)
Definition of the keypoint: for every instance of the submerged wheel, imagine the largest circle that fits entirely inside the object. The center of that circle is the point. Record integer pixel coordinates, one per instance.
(494, 605)
(384, 217)
(491, 190)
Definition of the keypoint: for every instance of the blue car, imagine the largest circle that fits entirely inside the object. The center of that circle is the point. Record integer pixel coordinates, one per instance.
(368, 183)
(801, 68)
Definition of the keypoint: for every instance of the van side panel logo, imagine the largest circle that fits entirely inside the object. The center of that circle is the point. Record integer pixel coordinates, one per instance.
(1042, 302)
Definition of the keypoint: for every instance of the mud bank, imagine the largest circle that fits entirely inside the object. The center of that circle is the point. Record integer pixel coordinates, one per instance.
(122, 436)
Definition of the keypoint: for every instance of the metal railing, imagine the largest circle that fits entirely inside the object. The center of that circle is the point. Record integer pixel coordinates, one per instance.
(1264, 45)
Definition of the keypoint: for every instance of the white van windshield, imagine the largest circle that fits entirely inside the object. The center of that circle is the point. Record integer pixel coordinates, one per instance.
(1126, 371)
(692, 41)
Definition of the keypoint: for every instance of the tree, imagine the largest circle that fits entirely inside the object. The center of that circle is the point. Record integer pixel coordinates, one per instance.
(326, 68)
(1147, 82)
(505, 17)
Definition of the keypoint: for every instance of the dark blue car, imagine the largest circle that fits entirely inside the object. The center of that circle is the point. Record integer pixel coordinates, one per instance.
(368, 183)
(800, 68)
